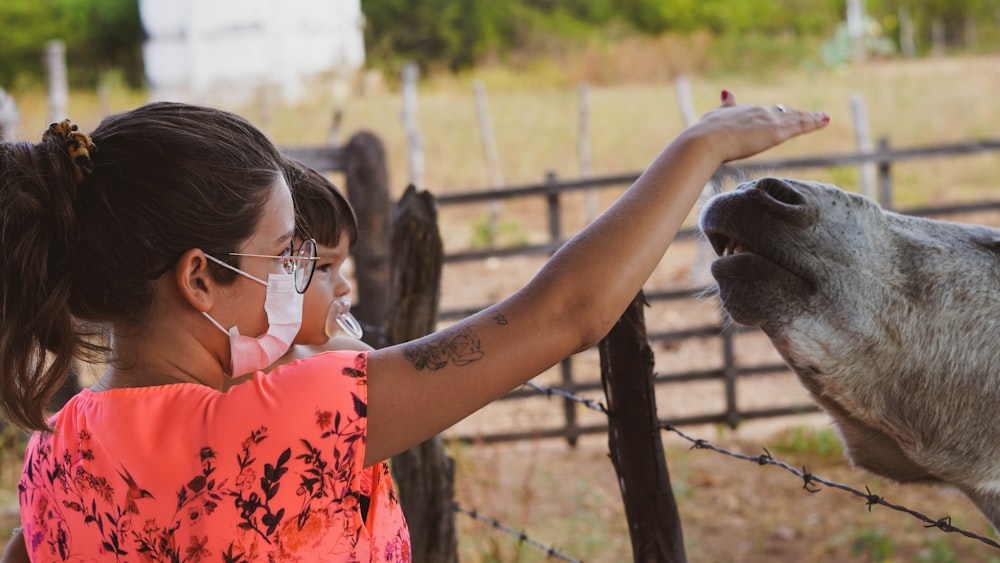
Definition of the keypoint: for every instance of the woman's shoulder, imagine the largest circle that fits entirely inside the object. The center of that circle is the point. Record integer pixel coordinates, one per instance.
(329, 378)
(324, 363)
(335, 344)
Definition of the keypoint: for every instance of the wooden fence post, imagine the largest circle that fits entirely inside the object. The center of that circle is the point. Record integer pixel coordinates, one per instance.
(425, 474)
(55, 65)
(682, 86)
(906, 43)
(490, 153)
(486, 135)
(856, 28)
(862, 134)
(566, 365)
(634, 437)
(414, 141)
(938, 38)
(583, 148)
(730, 371)
(555, 213)
(368, 191)
(685, 99)
(884, 175)
(9, 117)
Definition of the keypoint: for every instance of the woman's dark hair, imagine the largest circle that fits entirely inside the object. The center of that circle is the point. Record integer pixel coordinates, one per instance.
(321, 211)
(167, 178)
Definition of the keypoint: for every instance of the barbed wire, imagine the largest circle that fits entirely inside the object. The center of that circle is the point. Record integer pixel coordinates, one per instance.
(809, 480)
(521, 536)
(594, 405)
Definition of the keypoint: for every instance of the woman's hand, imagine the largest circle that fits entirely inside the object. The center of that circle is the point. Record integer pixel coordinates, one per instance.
(736, 131)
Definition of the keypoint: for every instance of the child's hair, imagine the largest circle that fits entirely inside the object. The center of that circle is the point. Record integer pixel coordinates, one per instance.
(85, 233)
(321, 211)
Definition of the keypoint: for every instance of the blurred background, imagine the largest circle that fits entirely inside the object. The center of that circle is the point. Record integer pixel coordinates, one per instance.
(473, 95)
(291, 65)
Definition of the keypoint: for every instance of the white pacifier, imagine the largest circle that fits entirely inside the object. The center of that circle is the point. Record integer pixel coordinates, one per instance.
(340, 317)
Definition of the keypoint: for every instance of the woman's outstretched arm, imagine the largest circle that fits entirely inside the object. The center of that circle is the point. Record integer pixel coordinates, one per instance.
(419, 388)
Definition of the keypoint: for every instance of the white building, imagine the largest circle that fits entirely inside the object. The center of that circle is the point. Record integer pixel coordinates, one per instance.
(229, 50)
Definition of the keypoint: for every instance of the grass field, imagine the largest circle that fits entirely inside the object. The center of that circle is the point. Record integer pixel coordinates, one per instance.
(569, 498)
(917, 102)
(535, 123)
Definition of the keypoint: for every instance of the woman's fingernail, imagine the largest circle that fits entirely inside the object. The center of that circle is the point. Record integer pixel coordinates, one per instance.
(826, 118)
(725, 95)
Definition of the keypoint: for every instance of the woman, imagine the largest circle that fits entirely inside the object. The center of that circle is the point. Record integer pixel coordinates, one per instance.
(174, 230)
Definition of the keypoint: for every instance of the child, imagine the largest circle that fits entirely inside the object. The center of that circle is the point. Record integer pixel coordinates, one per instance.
(323, 214)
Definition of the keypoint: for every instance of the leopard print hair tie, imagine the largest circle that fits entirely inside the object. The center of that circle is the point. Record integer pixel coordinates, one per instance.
(78, 146)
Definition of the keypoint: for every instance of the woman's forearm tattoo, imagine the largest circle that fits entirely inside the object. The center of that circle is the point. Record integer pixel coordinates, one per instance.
(461, 348)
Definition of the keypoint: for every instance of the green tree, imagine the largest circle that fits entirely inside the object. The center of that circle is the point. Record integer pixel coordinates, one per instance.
(953, 14)
(105, 35)
(458, 33)
(100, 35)
(455, 33)
(26, 25)
(592, 12)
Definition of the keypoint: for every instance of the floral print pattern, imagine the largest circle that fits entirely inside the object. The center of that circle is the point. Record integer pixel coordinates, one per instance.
(264, 495)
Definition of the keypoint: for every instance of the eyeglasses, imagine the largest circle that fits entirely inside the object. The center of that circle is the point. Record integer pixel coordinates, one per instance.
(301, 263)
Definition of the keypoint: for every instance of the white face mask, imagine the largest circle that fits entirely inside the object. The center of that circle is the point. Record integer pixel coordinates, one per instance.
(283, 306)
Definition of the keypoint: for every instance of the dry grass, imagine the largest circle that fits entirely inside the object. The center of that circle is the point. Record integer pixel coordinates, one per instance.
(912, 103)
(732, 511)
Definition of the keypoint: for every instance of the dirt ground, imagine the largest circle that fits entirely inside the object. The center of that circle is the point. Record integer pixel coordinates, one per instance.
(731, 510)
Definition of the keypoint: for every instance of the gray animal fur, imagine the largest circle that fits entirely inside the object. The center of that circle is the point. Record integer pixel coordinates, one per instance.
(891, 322)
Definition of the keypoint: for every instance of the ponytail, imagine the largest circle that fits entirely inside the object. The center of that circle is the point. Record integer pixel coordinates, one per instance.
(37, 235)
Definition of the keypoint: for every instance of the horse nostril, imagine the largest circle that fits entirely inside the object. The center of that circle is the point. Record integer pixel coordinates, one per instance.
(780, 190)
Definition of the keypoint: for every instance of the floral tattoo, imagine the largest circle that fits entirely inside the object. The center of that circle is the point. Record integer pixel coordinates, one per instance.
(461, 348)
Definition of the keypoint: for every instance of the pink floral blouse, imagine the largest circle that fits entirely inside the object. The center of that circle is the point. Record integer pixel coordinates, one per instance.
(269, 471)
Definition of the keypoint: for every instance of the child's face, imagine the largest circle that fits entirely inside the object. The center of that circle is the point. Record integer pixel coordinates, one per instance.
(328, 283)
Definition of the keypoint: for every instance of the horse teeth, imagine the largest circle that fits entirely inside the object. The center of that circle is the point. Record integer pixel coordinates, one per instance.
(733, 247)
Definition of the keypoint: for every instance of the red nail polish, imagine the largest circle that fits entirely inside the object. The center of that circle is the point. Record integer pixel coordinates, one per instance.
(725, 95)
(826, 118)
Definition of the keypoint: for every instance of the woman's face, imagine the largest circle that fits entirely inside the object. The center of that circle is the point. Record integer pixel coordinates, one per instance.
(244, 306)
(328, 283)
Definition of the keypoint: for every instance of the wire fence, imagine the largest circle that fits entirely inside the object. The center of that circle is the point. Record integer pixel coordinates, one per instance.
(522, 537)
(810, 481)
